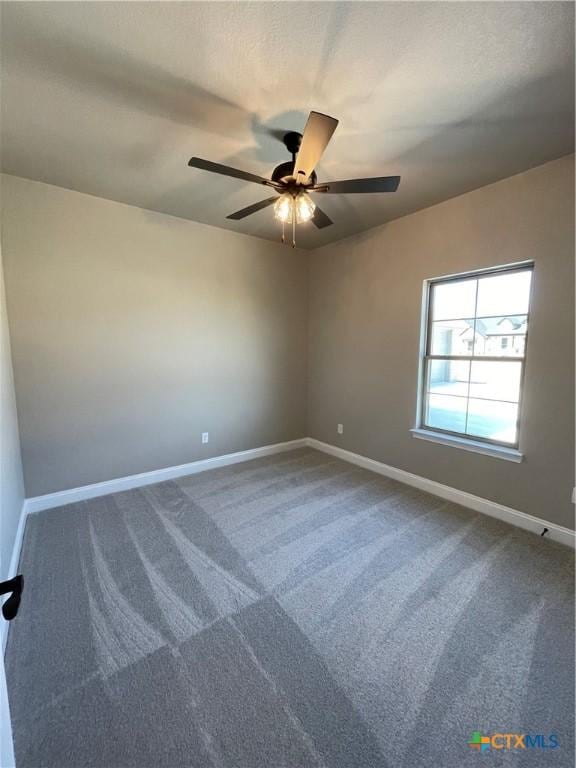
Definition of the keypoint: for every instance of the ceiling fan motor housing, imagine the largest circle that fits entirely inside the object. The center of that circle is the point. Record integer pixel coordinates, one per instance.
(285, 171)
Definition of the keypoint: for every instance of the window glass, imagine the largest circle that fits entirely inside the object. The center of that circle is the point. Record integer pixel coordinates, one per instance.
(452, 337)
(449, 377)
(453, 300)
(506, 293)
(492, 420)
(446, 413)
(501, 335)
(495, 380)
(475, 354)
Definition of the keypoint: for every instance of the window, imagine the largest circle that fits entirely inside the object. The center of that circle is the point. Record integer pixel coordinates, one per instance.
(474, 354)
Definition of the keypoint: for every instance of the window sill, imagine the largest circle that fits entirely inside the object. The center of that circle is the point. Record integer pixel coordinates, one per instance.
(497, 451)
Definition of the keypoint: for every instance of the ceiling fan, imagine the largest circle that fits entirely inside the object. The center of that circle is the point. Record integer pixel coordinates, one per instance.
(293, 180)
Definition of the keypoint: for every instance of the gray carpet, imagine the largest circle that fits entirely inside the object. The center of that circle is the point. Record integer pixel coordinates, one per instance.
(289, 612)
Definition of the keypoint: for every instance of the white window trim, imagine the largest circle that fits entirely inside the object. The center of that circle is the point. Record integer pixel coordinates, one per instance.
(444, 438)
(466, 444)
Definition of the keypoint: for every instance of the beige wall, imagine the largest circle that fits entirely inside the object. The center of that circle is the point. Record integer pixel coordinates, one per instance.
(11, 484)
(133, 332)
(11, 501)
(365, 307)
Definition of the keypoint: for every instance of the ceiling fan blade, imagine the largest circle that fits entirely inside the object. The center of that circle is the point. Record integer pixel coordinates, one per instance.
(252, 208)
(320, 219)
(226, 170)
(359, 186)
(317, 134)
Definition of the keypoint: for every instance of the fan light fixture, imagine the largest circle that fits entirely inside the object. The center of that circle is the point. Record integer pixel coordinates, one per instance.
(284, 208)
(291, 207)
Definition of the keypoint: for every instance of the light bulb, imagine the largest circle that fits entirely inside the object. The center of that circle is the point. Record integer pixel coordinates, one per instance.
(284, 207)
(304, 207)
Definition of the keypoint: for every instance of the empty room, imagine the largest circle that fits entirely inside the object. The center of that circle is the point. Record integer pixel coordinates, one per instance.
(287, 384)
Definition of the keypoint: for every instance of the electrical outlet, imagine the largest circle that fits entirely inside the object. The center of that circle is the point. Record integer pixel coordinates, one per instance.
(205, 437)
(340, 429)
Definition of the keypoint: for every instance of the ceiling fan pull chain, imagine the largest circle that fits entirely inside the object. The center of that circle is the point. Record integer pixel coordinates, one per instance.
(283, 238)
(294, 227)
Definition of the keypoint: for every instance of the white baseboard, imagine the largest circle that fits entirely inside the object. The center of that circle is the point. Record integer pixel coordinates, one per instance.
(13, 569)
(478, 504)
(58, 499)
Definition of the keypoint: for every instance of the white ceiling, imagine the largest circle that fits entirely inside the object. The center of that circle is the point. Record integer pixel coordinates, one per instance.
(114, 98)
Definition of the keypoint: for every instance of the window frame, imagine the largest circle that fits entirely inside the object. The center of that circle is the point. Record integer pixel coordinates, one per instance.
(426, 358)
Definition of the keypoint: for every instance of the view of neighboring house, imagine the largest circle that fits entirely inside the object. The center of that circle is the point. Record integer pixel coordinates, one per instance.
(495, 336)
(463, 388)
(486, 336)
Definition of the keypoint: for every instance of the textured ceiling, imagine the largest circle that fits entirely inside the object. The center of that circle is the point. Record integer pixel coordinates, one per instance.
(114, 98)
